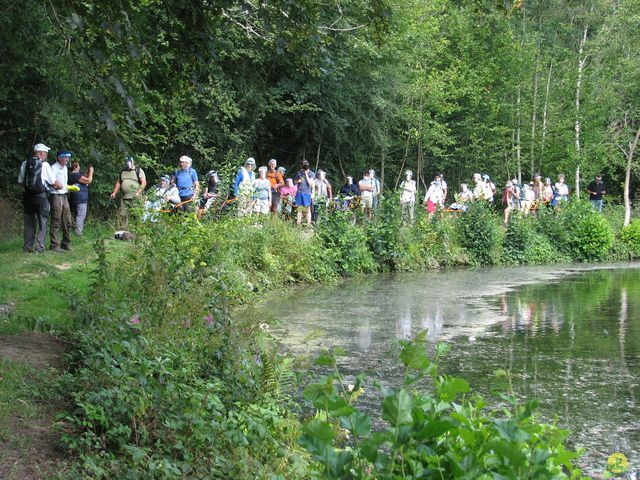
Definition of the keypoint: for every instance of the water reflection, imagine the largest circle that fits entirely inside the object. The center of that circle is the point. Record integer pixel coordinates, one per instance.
(569, 335)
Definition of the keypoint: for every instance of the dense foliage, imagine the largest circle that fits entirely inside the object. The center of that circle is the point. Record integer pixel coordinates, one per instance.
(508, 87)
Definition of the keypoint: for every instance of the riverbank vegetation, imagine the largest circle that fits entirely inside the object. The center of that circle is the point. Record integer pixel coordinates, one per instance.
(165, 380)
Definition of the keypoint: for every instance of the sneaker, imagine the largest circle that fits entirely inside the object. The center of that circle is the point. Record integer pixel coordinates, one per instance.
(56, 250)
(78, 233)
(68, 248)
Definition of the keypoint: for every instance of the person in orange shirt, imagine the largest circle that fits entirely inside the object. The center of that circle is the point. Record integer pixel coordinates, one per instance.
(277, 182)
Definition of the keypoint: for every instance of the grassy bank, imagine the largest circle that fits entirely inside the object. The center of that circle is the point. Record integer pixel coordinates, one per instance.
(165, 383)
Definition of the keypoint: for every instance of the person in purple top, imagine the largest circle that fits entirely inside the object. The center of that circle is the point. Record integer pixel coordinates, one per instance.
(79, 199)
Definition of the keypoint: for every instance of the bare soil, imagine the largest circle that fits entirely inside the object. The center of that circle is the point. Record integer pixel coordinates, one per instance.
(32, 453)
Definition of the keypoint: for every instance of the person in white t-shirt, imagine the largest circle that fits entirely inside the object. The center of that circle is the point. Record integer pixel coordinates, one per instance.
(37, 178)
(408, 189)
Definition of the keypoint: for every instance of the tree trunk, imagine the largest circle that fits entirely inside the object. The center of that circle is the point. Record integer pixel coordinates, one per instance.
(627, 178)
(544, 113)
(404, 161)
(518, 146)
(318, 155)
(382, 172)
(533, 115)
(581, 63)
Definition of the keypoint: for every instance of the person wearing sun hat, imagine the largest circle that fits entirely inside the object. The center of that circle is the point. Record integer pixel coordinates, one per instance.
(37, 178)
(60, 211)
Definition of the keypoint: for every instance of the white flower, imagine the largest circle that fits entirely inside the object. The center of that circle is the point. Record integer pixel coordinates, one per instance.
(264, 326)
(350, 387)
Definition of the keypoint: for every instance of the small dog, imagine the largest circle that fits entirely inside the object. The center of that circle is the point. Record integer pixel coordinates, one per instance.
(124, 236)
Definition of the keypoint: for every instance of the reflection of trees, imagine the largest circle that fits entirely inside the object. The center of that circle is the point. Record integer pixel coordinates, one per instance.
(574, 307)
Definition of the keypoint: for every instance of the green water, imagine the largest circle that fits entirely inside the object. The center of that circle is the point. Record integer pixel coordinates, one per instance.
(570, 335)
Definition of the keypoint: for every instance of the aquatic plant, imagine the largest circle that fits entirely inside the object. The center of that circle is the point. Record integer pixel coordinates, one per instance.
(439, 432)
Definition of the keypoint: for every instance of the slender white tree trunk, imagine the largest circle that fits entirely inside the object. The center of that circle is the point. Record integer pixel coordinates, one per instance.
(534, 115)
(518, 146)
(578, 126)
(544, 113)
(627, 178)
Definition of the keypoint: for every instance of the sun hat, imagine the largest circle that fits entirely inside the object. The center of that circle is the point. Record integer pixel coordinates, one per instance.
(41, 147)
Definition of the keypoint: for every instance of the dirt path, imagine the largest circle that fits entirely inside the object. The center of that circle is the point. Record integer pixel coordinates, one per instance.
(28, 444)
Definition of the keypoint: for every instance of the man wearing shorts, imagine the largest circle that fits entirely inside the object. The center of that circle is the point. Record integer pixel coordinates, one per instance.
(366, 194)
(304, 180)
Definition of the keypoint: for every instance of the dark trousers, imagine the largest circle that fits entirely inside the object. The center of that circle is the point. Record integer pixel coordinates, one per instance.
(187, 207)
(60, 218)
(36, 213)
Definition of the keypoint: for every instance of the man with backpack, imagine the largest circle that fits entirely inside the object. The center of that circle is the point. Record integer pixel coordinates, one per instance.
(37, 178)
(60, 210)
(132, 181)
(186, 179)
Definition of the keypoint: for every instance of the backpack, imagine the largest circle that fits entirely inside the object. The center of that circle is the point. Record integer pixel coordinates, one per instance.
(137, 175)
(33, 183)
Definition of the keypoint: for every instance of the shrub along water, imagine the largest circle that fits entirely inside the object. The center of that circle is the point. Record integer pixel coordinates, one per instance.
(166, 383)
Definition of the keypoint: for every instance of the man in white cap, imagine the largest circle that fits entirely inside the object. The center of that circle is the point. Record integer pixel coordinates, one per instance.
(186, 179)
(60, 210)
(37, 178)
(243, 186)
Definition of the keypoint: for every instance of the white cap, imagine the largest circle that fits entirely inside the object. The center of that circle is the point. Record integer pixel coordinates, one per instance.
(41, 147)
(250, 161)
(184, 158)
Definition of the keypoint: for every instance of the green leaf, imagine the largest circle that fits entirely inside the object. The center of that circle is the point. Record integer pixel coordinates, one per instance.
(370, 446)
(451, 387)
(434, 428)
(509, 430)
(326, 359)
(414, 355)
(316, 436)
(358, 423)
(396, 409)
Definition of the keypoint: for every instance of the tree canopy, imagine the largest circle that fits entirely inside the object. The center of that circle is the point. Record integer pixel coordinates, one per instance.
(507, 87)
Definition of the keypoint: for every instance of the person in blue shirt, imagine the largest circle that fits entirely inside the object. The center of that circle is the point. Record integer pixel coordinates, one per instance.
(304, 180)
(243, 186)
(186, 179)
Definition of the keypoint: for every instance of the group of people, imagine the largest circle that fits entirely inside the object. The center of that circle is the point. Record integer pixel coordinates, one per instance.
(53, 193)
(307, 191)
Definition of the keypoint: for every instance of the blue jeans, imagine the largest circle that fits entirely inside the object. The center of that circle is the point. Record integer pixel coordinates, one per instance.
(597, 204)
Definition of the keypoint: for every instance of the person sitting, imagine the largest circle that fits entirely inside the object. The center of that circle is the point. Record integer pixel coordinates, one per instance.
(348, 191)
(262, 193)
(408, 189)
(462, 198)
(288, 196)
(163, 195)
(210, 193)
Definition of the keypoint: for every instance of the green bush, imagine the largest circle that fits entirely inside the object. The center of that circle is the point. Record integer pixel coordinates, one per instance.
(479, 234)
(588, 234)
(630, 236)
(442, 433)
(345, 245)
(514, 244)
